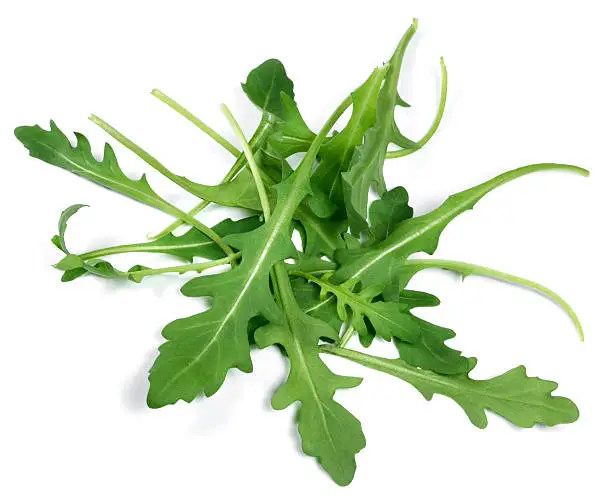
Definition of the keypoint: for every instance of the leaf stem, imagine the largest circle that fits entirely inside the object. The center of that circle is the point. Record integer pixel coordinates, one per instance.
(435, 124)
(261, 190)
(197, 267)
(196, 121)
(158, 166)
(346, 337)
(115, 249)
(466, 269)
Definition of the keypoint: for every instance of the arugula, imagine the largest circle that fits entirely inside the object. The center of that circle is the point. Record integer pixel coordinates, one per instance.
(309, 299)
(522, 400)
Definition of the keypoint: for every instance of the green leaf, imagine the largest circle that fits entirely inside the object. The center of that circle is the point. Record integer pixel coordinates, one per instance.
(201, 349)
(308, 297)
(238, 192)
(366, 164)
(336, 154)
(417, 299)
(59, 240)
(54, 148)
(291, 135)
(388, 212)
(265, 85)
(522, 400)
(328, 431)
(380, 262)
(322, 236)
(72, 265)
(419, 343)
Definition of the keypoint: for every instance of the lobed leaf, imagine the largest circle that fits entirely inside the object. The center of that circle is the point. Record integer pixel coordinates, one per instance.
(419, 343)
(366, 165)
(53, 147)
(522, 400)
(328, 431)
(380, 262)
(388, 212)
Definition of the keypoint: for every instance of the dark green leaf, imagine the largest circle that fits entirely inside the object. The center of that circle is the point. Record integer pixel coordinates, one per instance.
(388, 212)
(266, 83)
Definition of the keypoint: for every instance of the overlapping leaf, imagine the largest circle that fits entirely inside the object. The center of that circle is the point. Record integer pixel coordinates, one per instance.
(366, 165)
(201, 349)
(336, 154)
(388, 212)
(419, 342)
(379, 263)
(328, 431)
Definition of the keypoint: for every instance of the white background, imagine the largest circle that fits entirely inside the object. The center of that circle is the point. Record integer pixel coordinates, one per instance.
(529, 81)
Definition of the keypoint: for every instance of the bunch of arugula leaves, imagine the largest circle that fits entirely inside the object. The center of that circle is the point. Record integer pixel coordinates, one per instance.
(350, 276)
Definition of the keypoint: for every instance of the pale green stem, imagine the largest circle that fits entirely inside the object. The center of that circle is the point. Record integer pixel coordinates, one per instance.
(110, 251)
(346, 337)
(260, 134)
(466, 269)
(261, 190)
(158, 166)
(436, 123)
(178, 222)
(196, 121)
(197, 267)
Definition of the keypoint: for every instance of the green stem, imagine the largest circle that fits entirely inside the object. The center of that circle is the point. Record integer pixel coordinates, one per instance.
(197, 267)
(158, 166)
(346, 337)
(116, 249)
(435, 124)
(196, 121)
(259, 136)
(261, 190)
(466, 269)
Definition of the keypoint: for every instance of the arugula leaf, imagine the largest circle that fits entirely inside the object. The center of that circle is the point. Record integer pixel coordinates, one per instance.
(54, 148)
(340, 282)
(308, 298)
(201, 349)
(379, 263)
(417, 299)
(321, 236)
(366, 165)
(387, 212)
(266, 84)
(291, 134)
(329, 432)
(419, 343)
(522, 400)
(336, 153)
